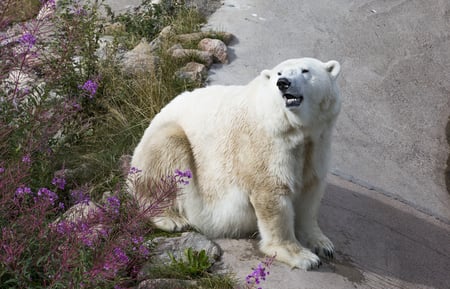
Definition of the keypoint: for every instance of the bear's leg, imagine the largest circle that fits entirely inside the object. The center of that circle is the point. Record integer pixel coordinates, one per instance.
(160, 155)
(275, 217)
(307, 227)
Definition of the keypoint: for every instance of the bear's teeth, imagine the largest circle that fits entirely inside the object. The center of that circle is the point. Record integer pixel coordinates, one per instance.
(293, 101)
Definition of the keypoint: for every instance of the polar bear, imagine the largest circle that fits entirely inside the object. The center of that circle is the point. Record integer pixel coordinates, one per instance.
(258, 154)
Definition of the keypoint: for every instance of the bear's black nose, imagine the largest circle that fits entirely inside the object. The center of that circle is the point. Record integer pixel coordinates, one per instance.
(283, 83)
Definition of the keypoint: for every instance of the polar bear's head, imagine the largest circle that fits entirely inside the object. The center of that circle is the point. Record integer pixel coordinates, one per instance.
(305, 88)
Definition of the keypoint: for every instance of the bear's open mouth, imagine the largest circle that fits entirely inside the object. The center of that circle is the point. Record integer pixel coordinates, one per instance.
(292, 100)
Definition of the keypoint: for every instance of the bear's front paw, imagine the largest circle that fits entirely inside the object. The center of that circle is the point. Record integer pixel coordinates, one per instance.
(321, 245)
(294, 255)
(305, 260)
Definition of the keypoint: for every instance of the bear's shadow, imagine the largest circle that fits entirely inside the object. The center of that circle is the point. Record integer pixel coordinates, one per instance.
(373, 236)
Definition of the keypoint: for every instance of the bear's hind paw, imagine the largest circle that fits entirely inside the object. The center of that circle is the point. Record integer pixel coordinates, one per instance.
(170, 224)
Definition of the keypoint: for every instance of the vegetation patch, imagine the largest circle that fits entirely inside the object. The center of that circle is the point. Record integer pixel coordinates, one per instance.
(68, 116)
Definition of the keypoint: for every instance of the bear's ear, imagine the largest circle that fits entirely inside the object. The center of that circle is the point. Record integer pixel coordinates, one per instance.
(333, 67)
(265, 73)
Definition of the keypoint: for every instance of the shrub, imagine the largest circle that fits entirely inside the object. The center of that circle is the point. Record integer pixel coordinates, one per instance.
(94, 246)
(55, 107)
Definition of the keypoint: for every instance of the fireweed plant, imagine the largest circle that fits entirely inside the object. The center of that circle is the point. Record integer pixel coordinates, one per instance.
(91, 246)
(51, 91)
(61, 109)
(259, 274)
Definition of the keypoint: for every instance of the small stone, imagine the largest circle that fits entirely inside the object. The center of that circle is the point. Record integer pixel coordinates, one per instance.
(204, 56)
(113, 28)
(166, 284)
(125, 164)
(190, 37)
(166, 32)
(103, 46)
(80, 211)
(178, 245)
(140, 59)
(174, 47)
(193, 71)
(155, 44)
(216, 47)
(226, 37)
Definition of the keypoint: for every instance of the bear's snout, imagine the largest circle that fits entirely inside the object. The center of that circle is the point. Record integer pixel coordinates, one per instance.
(283, 84)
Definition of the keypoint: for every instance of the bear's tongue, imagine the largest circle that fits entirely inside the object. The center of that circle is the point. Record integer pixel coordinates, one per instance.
(292, 101)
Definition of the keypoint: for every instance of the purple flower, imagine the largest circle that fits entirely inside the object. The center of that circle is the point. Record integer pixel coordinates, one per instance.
(90, 86)
(137, 240)
(59, 182)
(181, 176)
(2, 170)
(47, 195)
(86, 234)
(61, 206)
(120, 255)
(144, 251)
(65, 227)
(134, 170)
(79, 197)
(80, 11)
(28, 39)
(26, 159)
(21, 192)
(259, 273)
(113, 205)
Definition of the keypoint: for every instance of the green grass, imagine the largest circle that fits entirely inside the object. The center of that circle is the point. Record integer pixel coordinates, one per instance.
(125, 108)
(19, 10)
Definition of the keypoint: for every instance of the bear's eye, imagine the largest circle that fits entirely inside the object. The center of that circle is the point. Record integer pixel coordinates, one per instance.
(279, 73)
(304, 70)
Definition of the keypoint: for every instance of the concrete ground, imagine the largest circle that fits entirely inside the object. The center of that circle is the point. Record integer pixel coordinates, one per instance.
(380, 242)
(395, 82)
(386, 208)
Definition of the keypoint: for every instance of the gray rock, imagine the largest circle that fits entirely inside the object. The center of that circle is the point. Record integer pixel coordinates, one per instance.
(174, 47)
(103, 46)
(216, 47)
(140, 59)
(193, 71)
(203, 56)
(178, 245)
(155, 44)
(197, 36)
(166, 32)
(166, 284)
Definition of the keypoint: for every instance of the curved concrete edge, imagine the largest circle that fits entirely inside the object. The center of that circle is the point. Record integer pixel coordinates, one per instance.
(380, 243)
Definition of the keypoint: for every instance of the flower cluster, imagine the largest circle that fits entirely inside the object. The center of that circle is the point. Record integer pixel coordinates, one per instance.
(112, 205)
(79, 197)
(59, 182)
(134, 171)
(28, 39)
(26, 159)
(183, 176)
(90, 87)
(46, 195)
(42, 195)
(139, 246)
(259, 273)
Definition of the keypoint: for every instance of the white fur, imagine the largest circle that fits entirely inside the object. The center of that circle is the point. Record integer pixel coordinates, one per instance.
(257, 164)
